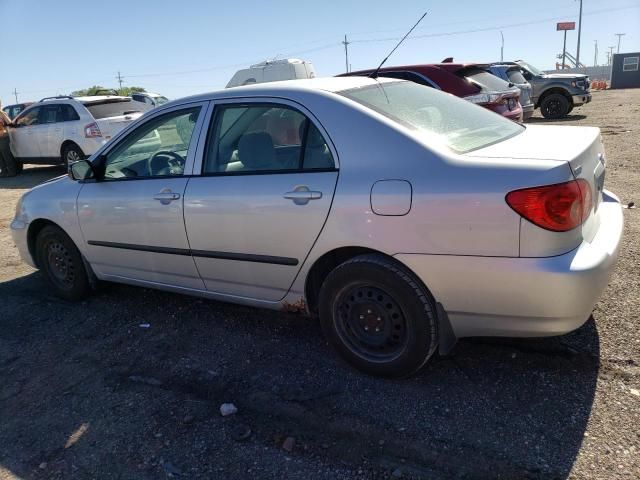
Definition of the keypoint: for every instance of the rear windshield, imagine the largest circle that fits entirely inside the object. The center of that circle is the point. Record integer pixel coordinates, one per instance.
(515, 76)
(441, 118)
(111, 108)
(486, 80)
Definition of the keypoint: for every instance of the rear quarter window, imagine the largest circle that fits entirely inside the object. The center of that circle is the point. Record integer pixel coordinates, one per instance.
(515, 76)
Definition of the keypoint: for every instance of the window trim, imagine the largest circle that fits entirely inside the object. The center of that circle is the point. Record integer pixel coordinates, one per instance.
(636, 64)
(276, 102)
(100, 156)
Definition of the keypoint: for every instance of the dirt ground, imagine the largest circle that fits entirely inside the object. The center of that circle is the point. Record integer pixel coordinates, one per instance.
(86, 392)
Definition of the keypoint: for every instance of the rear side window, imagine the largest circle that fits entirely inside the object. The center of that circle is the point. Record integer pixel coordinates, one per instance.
(111, 108)
(69, 113)
(486, 80)
(252, 138)
(515, 76)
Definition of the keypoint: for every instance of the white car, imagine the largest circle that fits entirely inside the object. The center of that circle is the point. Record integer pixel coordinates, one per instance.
(273, 71)
(153, 99)
(63, 130)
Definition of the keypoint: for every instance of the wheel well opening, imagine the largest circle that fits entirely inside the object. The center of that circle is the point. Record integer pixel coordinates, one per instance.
(35, 228)
(321, 269)
(65, 144)
(553, 90)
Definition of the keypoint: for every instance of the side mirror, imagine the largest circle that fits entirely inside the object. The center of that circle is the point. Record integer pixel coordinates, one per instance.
(81, 170)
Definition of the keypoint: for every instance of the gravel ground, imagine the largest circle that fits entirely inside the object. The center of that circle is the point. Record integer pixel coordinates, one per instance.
(86, 392)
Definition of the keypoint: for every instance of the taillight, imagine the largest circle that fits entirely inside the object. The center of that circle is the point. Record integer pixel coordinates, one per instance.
(559, 208)
(92, 130)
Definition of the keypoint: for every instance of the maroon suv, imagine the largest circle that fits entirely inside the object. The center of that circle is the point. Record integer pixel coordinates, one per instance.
(466, 80)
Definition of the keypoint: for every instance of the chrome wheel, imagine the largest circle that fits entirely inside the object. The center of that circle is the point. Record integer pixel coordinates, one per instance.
(72, 156)
(371, 323)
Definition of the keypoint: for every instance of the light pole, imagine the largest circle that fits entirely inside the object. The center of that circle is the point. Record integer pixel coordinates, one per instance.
(502, 47)
(619, 35)
(595, 55)
(579, 31)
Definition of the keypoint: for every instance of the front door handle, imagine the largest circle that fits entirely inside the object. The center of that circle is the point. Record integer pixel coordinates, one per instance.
(301, 195)
(166, 197)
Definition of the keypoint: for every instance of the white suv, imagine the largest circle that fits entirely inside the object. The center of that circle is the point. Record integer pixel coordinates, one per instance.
(63, 130)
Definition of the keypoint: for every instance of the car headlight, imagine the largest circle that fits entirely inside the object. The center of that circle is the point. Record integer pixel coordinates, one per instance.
(20, 213)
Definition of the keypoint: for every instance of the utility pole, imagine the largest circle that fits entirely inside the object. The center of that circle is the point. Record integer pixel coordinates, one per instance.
(502, 47)
(619, 35)
(119, 78)
(15, 92)
(346, 53)
(611, 54)
(595, 55)
(579, 31)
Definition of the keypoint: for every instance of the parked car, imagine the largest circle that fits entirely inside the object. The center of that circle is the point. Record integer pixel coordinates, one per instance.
(513, 74)
(556, 94)
(14, 110)
(403, 216)
(469, 81)
(273, 71)
(64, 129)
(153, 99)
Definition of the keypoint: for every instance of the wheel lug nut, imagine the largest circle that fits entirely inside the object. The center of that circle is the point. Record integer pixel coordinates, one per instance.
(369, 311)
(377, 329)
(366, 329)
(361, 317)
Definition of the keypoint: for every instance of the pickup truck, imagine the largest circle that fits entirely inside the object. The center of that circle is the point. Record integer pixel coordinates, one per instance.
(556, 94)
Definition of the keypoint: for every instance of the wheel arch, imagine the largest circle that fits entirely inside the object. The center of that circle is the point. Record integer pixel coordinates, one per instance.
(65, 144)
(35, 227)
(330, 260)
(552, 90)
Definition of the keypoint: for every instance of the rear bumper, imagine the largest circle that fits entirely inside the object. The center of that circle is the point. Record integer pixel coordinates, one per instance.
(581, 99)
(523, 297)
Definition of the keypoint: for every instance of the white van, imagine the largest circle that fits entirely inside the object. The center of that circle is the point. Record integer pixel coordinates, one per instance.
(272, 71)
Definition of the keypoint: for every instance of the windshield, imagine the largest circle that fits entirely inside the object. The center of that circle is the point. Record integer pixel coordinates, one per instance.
(440, 117)
(161, 100)
(530, 67)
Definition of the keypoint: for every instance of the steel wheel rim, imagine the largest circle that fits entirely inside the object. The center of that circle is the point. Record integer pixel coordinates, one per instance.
(371, 323)
(60, 263)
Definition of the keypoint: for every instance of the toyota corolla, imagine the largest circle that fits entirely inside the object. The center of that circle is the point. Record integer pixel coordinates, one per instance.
(402, 216)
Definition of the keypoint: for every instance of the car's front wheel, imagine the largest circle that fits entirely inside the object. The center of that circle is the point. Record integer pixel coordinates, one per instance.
(554, 106)
(378, 316)
(61, 262)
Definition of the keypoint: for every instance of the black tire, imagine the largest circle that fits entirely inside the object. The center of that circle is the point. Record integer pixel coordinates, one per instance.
(71, 153)
(554, 106)
(62, 264)
(9, 166)
(378, 316)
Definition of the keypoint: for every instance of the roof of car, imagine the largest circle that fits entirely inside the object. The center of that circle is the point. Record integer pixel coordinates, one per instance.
(328, 84)
(98, 98)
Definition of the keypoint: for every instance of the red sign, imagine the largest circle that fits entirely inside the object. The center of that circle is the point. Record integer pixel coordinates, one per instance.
(566, 26)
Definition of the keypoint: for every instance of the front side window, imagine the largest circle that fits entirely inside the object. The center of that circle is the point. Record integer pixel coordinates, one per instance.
(30, 117)
(51, 114)
(252, 138)
(630, 64)
(440, 118)
(157, 148)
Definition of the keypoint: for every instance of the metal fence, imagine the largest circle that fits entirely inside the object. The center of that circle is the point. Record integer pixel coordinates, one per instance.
(595, 73)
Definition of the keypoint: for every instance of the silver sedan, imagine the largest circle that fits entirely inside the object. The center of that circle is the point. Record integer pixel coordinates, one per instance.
(402, 216)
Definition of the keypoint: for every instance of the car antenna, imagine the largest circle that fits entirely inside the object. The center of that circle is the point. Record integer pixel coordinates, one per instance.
(375, 72)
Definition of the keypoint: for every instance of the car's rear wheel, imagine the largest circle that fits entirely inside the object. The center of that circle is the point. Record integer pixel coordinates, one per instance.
(71, 153)
(61, 262)
(378, 316)
(554, 105)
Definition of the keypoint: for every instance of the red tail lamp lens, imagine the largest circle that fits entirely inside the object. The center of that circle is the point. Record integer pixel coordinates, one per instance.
(559, 208)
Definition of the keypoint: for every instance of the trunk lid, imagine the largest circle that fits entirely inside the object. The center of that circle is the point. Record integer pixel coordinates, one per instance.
(109, 126)
(113, 113)
(580, 147)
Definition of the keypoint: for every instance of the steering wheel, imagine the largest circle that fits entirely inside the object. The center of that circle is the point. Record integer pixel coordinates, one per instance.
(165, 162)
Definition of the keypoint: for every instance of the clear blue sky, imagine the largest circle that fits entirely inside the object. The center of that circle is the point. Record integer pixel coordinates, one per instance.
(189, 46)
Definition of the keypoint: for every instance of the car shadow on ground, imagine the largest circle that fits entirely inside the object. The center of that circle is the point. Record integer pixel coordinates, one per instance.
(131, 376)
(568, 118)
(31, 176)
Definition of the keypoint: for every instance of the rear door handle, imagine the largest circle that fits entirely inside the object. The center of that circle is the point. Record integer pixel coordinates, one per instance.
(301, 195)
(166, 197)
